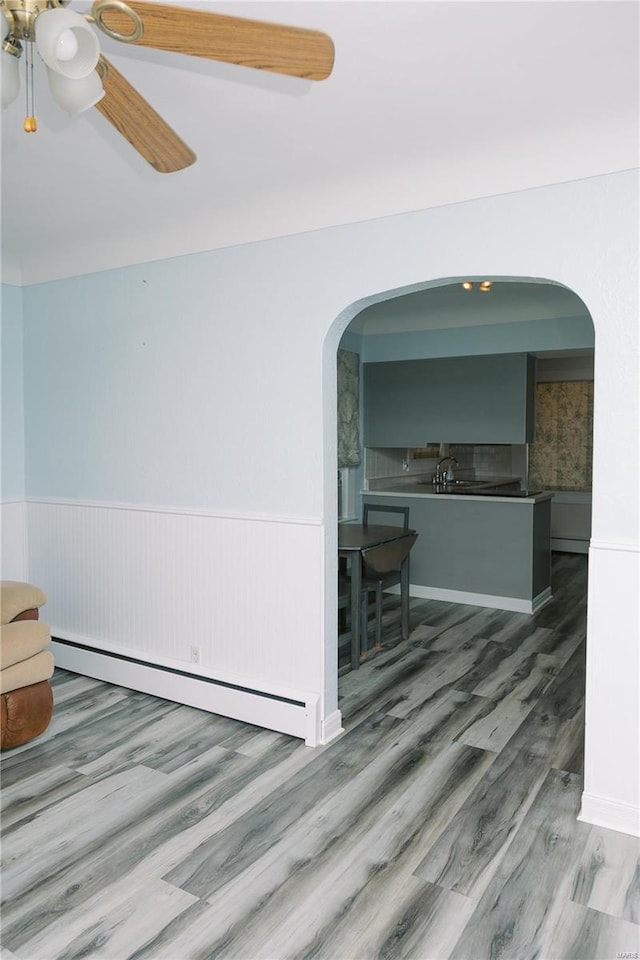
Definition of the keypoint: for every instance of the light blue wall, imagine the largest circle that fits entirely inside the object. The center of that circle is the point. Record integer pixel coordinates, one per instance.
(182, 382)
(198, 381)
(12, 394)
(568, 333)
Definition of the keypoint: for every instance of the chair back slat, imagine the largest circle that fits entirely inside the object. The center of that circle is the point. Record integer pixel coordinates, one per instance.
(383, 508)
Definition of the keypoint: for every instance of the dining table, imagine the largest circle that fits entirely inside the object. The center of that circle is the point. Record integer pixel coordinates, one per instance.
(353, 538)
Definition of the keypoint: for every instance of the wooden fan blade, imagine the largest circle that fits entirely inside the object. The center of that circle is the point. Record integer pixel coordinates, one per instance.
(295, 51)
(139, 123)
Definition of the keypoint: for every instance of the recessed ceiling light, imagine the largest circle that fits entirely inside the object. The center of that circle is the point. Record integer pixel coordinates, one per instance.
(484, 285)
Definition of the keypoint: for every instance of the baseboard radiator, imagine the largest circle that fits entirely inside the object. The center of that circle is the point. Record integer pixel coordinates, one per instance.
(297, 717)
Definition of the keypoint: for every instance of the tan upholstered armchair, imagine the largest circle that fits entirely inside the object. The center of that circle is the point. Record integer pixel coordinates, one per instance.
(26, 665)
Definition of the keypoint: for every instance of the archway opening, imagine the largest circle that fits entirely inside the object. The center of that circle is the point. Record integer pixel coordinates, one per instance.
(448, 320)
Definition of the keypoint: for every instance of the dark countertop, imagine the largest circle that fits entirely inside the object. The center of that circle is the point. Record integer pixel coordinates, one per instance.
(488, 491)
(494, 488)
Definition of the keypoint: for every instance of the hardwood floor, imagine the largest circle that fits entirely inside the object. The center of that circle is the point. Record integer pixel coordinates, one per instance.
(442, 824)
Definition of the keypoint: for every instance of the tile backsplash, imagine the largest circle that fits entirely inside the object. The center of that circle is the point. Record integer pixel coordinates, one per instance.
(474, 461)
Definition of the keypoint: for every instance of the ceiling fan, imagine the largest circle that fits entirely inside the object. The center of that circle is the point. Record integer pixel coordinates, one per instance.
(81, 77)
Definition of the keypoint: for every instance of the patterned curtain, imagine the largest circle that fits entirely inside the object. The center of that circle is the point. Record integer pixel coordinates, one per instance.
(561, 457)
(348, 409)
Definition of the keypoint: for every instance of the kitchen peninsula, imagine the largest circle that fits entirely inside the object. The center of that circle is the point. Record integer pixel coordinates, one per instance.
(487, 543)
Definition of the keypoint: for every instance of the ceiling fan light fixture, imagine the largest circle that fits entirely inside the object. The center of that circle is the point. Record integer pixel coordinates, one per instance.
(70, 50)
(10, 74)
(80, 53)
(75, 96)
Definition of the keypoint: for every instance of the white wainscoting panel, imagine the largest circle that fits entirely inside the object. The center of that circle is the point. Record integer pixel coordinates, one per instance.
(156, 582)
(611, 795)
(13, 565)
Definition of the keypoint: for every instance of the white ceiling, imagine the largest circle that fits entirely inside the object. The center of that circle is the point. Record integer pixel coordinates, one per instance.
(429, 103)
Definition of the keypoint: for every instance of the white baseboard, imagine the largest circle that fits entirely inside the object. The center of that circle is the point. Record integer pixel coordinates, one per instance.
(332, 727)
(514, 604)
(297, 717)
(610, 814)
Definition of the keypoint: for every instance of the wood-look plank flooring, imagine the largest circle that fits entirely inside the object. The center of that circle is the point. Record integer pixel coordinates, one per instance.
(442, 824)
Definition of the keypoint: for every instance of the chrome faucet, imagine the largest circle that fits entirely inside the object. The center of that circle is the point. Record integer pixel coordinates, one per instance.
(440, 475)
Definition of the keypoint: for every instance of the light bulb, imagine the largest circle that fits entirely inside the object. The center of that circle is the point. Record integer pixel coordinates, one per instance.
(66, 45)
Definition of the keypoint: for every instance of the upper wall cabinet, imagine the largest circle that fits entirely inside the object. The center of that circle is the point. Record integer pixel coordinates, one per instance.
(486, 399)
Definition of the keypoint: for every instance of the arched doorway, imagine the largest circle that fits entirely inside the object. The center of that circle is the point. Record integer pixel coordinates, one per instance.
(456, 319)
(564, 357)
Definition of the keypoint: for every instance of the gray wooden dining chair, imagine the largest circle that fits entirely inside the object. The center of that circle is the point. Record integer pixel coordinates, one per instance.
(344, 600)
(381, 569)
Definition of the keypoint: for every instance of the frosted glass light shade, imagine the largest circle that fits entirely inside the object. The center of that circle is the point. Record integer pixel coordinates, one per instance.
(74, 96)
(10, 78)
(50, 25)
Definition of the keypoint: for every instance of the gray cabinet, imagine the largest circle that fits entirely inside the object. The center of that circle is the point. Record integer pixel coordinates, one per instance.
(486, 399)
(479, 550)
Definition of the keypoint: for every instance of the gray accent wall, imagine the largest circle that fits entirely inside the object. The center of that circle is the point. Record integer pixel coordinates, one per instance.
(479, 546)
